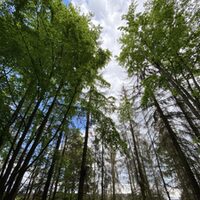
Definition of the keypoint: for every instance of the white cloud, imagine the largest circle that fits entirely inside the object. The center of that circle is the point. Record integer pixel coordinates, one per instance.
(108, 14)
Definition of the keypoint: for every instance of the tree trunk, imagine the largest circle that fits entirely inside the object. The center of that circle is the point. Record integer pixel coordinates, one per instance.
(157, 160)
(180, 90)
(188, 118)
(102, 171)
(4, 178)
(59, 169)
(16, 112)
(192, 183)
(11, 193)
(113, 174)
(13, 143)
(142, 181)
(84, 159)
(130, 178)
(51, 170)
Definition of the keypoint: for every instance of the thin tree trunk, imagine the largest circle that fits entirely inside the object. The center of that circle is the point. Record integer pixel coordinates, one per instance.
(130, 178)
(148, 190)
(16, 112)
(192, 183)
(51, 170)
(133, 162)
(12, 145)
(102, 171)
(30, 185)
(181, 91)
(20, 162)
(11, 193)
(59, 169)
(157, 160)
(188, 118)
(142, 181)
(113, 174)
(14, 141)
(84, 159)
(4, 177)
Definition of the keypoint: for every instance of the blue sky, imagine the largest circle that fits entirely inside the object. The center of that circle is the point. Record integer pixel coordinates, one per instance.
(108, 14)
(66, 1)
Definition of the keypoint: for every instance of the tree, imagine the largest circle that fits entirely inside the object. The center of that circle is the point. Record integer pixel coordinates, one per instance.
(161, 62)
(49, 54)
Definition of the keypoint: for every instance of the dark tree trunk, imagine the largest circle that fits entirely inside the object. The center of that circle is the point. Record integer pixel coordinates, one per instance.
(16, 112)
(188, 118)
(142, 181)
(59, 170)
(84, 159)
(51, 170)
(102, 171)
(192, 183)
(147, 187)
(113, 174)
(31, 184)
(130, 178)
(11, 193)
(8, 170)
(14, 141)
(187, 98)
(157, 160)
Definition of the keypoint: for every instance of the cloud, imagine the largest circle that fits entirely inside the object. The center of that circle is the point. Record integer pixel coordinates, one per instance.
(108, 14)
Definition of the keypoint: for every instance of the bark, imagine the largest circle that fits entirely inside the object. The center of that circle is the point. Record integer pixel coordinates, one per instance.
(17, 111)
(141, 176)
(38, 189)
(59, 170)
(84, 159)
(51, 170)
(11, 193)
(157, 160)
(102, 171)
(20, 172)
(113, 174)
(143, 168)
(180, 90)
(20, 161)
(10, 150)
(142, 181)
(8, 170)
(192, 183)
(188, 118)
(133, 163)
(130, 178)
(13, 143)
(31, 184)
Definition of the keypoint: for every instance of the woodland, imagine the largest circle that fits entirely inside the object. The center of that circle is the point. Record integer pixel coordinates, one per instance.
(63, 138)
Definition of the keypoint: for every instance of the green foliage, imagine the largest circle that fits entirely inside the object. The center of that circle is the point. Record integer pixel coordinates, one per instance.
(161, 44)
(49, 55)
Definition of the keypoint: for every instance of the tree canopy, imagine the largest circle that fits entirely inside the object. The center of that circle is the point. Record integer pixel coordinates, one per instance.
(63, 137)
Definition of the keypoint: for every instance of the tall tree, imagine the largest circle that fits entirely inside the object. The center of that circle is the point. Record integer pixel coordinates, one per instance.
(49, 54)
(159, 49)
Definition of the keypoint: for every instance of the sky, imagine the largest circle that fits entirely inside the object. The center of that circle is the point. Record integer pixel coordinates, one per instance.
(108, 14)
